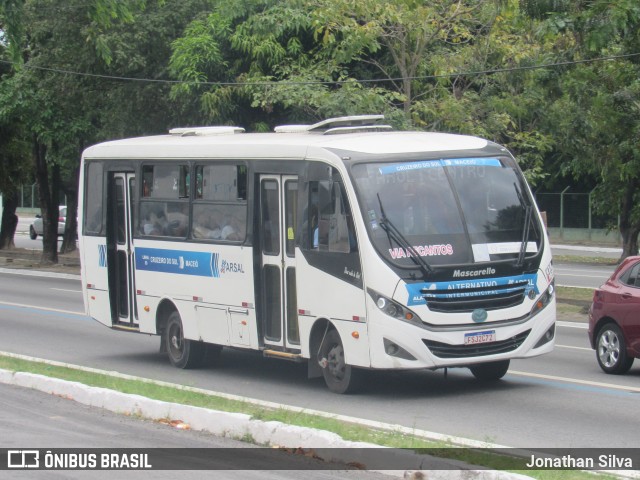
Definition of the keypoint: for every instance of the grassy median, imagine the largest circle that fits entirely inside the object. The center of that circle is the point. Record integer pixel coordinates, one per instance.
(348, 431)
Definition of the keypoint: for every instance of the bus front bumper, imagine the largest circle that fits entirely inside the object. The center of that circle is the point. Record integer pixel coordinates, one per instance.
(397, 344)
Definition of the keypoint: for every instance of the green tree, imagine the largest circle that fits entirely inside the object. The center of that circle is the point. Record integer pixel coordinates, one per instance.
(400, 40)
(596, 117)
(75, 86)
(13, 171)
(140, 51)
(489, 89)
(313, 59)
(53, 106)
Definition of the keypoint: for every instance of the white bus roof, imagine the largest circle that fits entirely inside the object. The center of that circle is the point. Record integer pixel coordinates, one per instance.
(281, 145)
(359, 134)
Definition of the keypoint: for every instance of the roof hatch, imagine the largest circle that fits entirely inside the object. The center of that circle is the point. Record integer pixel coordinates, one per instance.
(204, 131)
(350, 124)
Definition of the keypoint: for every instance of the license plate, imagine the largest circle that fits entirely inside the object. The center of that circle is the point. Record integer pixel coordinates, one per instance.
(480, 337)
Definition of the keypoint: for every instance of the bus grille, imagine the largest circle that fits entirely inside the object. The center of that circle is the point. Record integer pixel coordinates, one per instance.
(444, 350)
(468, 299)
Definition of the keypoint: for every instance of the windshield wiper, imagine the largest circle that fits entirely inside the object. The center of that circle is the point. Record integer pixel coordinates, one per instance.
(395, 234)
(525, 236)
(526, 228)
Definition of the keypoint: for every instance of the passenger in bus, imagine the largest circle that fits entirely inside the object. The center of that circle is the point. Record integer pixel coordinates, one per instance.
(234, 228)
(156, 223)
(314, 225)
(203, 226)
(178, 219)
(208, 225)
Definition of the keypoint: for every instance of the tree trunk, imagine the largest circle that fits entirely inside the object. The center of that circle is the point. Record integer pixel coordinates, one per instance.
(48, 203)
(70, 189)
(9, 221)
(628, 230)
(71, 227)
(629, 242)
(406, 85)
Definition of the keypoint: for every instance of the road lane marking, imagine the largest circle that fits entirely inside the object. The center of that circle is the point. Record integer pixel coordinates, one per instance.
(44, 309)
(576, 286)
(574, 348)
(560, 269)
(576, 381)
(584, 273)
(580, 325)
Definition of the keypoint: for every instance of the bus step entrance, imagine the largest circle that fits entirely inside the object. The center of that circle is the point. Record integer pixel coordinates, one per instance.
(294, 357)
(125, 326)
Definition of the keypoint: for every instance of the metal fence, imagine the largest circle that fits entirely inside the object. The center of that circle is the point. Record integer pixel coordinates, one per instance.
(29, 196)
(572, 210)
(29, 199)
(570, 218)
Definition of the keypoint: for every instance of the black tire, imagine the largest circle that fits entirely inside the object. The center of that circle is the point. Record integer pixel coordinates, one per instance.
(611, 350)
(32, 233)
(491, 371)
(182, 353)
(339, 377)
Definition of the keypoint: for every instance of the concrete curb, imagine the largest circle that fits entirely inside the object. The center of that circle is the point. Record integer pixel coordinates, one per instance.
(238, 426)
(40, 273)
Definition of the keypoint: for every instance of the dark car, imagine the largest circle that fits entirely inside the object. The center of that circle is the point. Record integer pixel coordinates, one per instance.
(614, 318)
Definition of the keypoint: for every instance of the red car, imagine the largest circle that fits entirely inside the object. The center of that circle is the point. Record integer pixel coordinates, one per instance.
(614, 318)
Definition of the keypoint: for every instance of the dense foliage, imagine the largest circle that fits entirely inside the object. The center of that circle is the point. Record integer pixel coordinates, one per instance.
(556, 81)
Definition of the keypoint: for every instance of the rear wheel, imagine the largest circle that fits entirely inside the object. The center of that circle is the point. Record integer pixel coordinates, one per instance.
(611, 350)
(182, 353)
(491, 371)
(339, 377)
(32, 233)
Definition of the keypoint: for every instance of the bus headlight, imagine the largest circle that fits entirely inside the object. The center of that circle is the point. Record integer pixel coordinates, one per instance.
(544, 299)
(393, 308)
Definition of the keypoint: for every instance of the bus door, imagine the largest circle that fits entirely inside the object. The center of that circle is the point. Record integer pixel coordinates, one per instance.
(120, 247)
(278, 216)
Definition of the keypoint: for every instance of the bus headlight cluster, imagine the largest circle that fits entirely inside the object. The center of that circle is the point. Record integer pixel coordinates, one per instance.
(393, 308)
(544, 300)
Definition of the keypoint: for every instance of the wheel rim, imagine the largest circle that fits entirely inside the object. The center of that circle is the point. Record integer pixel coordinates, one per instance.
(609, 349)
(176, 341)
(335, 362)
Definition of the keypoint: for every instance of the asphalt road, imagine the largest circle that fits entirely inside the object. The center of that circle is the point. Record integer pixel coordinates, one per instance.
(580, 275)
(559, 400)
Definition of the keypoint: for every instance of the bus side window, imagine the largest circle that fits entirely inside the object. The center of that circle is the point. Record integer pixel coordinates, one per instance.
(220, 207)
(164, 205)
(330, 219)
(93, 212)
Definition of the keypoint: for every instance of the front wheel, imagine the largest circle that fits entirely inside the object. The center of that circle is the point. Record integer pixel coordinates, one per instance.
(32, 233)
(611, 350)
(339, 377)
(491, 371)
(182, 353)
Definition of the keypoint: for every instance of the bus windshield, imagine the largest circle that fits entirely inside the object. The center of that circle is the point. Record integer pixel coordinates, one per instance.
(448, 211)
